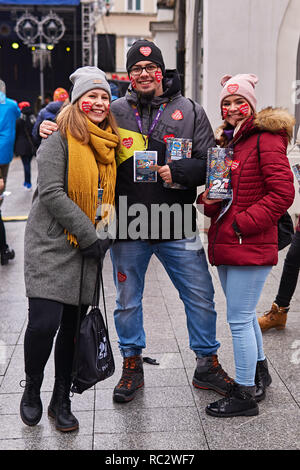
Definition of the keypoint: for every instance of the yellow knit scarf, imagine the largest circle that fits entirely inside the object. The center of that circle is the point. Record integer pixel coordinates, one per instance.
(88, 163)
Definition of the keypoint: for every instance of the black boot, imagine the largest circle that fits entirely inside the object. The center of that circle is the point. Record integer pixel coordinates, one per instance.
(239, 402)
(209, 375)
(60, 406)
(31, 408)
(131, 380)
(6, 255)
(262, 379)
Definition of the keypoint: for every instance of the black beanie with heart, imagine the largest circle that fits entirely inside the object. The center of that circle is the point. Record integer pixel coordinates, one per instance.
(144, 50)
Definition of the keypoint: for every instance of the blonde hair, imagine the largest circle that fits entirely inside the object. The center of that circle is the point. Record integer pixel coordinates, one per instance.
(74, 120)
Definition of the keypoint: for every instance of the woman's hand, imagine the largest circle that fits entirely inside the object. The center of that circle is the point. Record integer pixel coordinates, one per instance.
(1, 184)
(165, 173)
(209, 201)
(47, 128)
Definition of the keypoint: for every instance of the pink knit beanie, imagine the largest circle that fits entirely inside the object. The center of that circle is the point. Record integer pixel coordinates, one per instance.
(242, 84)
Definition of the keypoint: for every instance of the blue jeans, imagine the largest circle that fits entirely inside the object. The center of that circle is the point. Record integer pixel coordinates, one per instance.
(187, 269)
(242, 286)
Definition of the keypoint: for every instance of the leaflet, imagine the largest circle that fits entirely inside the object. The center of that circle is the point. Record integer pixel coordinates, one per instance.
(218, 174)
(176, 149)
(296, 170)
(143, 162)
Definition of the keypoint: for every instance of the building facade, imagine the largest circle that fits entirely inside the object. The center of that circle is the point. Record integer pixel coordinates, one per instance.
(127, 21)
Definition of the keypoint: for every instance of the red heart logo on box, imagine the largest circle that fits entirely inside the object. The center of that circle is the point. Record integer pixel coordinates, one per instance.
(145, 50)
(127, 142)
(169, 136)
(235, 164)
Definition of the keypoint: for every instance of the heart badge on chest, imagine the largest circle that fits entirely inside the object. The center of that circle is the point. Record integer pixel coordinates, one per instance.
(127, 142)
(177, 115)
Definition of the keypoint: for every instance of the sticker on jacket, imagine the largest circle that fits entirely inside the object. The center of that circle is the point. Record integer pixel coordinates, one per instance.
(177, 115)
(130, 141)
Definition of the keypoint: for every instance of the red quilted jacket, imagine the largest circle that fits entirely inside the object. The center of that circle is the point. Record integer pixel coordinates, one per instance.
(262, 192)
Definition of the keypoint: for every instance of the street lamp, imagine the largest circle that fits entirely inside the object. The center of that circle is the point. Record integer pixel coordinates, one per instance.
(33, 32)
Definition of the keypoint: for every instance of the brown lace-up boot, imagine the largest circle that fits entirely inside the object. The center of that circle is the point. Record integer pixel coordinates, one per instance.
(274, 318)
(132, 379)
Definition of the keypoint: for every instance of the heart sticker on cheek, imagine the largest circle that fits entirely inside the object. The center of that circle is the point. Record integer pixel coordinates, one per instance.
(158, 76)
(224, 112)
(244, 109)
(132, 80)
(86, 106)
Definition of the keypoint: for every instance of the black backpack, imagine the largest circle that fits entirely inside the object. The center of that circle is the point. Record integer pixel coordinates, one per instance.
(93, 357)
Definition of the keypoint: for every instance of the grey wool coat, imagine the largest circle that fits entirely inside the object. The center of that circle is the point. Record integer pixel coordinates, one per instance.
(52, 266)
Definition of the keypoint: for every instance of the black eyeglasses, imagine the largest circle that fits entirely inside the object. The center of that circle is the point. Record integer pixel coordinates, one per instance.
(137, 70)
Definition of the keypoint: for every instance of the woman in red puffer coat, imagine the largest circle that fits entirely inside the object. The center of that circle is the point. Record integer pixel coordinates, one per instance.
(243, 241)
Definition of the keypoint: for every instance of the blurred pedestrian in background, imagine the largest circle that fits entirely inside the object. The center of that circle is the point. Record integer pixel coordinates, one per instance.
(276, 317)
(24, 145)
(49, 113)
(9, 113)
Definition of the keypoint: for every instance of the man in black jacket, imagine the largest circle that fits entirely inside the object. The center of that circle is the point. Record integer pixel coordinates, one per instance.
(156, 215)
(159, 218)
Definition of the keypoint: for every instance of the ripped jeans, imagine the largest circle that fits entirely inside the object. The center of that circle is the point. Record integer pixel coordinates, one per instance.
(187, 269)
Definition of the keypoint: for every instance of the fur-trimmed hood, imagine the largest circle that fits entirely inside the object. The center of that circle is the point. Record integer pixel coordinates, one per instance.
(274, 120)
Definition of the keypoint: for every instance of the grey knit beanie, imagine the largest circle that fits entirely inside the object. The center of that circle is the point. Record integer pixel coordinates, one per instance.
(88, 78)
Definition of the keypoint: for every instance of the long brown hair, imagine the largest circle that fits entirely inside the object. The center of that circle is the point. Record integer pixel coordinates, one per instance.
(74, 120)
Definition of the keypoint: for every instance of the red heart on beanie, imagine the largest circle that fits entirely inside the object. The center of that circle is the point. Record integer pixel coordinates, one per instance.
(127, 142)
(233, 88)
(145, 50)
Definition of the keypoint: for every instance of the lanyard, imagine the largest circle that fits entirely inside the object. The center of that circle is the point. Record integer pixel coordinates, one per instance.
(154, 122)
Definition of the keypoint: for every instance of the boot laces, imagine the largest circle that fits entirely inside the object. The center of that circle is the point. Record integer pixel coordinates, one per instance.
(129, 370)
(218, 370)
(31, 389)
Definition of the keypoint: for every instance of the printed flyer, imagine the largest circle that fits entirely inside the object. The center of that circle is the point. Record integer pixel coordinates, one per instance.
(219, 161)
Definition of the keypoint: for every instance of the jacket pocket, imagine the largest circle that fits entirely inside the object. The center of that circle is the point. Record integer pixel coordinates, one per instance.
(54, 229)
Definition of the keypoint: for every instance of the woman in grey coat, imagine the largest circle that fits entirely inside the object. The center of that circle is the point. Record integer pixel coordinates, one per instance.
(75, 166)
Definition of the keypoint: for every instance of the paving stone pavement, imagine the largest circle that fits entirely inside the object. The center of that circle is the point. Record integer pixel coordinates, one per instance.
(168, 414)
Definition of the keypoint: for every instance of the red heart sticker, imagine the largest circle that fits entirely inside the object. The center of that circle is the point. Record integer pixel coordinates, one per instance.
(121, 277)
(127, 142)
(86, 106)
(145, 50)
(133, 83)
(244, 109)
(235, 164)
(168, 136)
(158, 76)
(177, 115)
(225, 112)
(233, 88)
